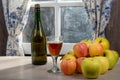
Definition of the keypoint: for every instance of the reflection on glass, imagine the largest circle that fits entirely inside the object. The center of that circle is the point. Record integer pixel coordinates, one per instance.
(74, 24)
(47, 15)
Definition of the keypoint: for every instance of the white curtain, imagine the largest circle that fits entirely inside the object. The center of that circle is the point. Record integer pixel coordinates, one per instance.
(16, 17)
(99, 14)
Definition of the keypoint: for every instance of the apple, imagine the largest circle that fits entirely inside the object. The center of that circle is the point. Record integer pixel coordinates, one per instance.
(71, 52)
(90, 68)
(69, 56)
(88, 42)
(80, 50)
(68, 66)
(104, 42)
(96, 49)
(104, 64)
(112, 57)
(78, 64)
(116, 54)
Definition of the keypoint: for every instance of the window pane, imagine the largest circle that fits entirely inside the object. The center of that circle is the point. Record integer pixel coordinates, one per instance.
(74, 24)
(42, 0)
(71, 0)
(47, 15)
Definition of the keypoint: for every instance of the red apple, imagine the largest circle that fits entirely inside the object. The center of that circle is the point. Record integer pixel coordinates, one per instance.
(87, 42)
(78, 64)
(96, 49)
(68, 66)
(80, 49)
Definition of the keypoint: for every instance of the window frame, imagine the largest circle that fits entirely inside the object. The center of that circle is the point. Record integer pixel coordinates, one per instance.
(57, 4)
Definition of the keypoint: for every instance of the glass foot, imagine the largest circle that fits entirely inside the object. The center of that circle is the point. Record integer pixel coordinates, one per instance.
(54, 70)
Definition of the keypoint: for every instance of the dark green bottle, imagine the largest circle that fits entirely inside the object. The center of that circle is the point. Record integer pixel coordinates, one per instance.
(38, 40)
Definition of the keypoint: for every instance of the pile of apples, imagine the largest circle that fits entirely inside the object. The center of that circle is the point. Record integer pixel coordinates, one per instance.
(90, 58)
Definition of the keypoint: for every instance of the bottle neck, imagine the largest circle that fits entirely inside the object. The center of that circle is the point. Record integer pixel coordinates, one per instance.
(37, 17)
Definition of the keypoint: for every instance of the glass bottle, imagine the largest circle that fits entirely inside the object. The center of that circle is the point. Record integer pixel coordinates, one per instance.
(38, 40)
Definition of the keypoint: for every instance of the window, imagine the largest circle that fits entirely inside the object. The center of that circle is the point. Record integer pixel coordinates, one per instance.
(60, 17)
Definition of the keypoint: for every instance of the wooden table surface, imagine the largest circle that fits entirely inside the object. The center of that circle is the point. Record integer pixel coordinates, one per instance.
(20, 68)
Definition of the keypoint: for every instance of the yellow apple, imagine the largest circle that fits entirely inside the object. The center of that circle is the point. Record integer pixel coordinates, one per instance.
(104, 42)
(69, 56)
(96, 49)
(104, 64)
(88, 42)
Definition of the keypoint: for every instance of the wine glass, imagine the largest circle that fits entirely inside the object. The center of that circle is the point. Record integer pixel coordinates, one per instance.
(54, 44)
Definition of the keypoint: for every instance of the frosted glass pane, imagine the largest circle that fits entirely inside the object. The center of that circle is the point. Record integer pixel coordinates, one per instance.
(70, 0)
(47, 15)
(42, 0)
(74, 24)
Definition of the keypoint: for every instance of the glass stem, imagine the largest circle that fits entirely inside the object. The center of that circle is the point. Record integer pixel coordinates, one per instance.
(54, 58)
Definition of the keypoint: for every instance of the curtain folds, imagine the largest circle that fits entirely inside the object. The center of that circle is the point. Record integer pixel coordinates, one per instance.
(99, 14)
(15, 16)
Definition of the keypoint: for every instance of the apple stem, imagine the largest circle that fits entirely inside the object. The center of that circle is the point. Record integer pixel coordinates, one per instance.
(100, 41)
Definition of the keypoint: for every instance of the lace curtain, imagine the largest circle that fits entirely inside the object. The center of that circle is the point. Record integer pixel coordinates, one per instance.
(15, 16)
(99, 15)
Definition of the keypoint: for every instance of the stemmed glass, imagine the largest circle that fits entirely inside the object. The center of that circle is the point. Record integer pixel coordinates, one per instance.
(54, 44)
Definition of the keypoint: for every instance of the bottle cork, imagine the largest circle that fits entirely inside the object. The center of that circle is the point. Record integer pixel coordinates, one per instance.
(37, 5)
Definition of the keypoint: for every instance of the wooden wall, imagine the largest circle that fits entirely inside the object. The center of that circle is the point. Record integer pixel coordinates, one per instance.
(113, 28)
(3, 32)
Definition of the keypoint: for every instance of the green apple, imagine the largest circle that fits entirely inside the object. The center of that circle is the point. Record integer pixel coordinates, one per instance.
(90, 68)
(116, 55)
(104, 42)
(112, 57)
(71, 52)
(104, 64)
